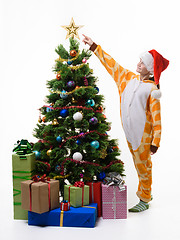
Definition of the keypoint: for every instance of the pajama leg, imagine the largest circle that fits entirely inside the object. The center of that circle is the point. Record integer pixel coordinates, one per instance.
(143, 165)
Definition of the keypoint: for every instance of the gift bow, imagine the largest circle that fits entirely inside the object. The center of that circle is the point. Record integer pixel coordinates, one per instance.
(115, 179)
(36, 178)
(79, 184)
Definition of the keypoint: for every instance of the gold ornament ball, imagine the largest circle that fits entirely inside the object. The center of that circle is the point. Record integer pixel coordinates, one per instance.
(73, 53)
(55, 122)
(49, 152)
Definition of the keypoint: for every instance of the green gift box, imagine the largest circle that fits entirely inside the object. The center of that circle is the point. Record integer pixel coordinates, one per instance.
(77, 196)
(22, 170)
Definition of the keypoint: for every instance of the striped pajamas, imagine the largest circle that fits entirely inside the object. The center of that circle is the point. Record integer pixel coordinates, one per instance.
(141, 118)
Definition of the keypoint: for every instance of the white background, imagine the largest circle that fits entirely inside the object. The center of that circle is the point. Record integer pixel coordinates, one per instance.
(31, 30)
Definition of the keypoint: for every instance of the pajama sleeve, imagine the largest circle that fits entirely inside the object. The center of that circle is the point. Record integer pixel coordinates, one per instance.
(155, 110)
(121, 75)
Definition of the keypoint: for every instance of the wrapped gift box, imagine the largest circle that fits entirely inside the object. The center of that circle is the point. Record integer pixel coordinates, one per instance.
(95, 195)
(114, 202)
(76, 217)
(65, 206)
(75, 195)
(40, 196)
(22, 170)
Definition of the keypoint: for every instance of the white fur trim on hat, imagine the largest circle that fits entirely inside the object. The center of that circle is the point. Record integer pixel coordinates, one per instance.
(156, 94)
(148, 61)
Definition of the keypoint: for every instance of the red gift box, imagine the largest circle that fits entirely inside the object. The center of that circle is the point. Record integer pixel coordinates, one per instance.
(95, 195)
(65, 206)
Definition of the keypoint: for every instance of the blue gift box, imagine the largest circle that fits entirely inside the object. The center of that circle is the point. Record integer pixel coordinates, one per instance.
(76, 217)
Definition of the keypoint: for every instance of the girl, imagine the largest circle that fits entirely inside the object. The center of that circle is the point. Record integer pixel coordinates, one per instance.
(140, 111)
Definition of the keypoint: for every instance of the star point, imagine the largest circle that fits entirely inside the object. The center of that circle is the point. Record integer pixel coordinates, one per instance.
(72, 29)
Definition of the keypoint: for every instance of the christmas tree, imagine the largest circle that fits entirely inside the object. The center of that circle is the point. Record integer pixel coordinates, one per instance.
(72, 130)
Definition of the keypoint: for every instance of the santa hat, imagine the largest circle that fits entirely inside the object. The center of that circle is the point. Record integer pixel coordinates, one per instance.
(155, 63)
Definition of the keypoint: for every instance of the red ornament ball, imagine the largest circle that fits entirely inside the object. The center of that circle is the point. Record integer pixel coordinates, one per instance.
(58, 76)
(73, 53)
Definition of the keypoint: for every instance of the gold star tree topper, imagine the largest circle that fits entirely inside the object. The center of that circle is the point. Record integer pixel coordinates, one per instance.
(72, 29)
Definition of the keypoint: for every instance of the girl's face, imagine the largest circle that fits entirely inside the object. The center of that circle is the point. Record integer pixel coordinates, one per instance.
(141, 68)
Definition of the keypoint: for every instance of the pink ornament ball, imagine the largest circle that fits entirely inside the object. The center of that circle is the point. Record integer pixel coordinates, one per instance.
(84, 60)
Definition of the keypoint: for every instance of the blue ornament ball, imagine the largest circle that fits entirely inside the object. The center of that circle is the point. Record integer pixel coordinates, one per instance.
(63, 94)
(48, 109)
(101, 176)
(37, 154)
(71, 84)
(78, 142)
(95, 144)
(69, 62)
(90, 102)
(57, 168)
(93, 120)
(59, 139)
(64, 113)
(97, 89)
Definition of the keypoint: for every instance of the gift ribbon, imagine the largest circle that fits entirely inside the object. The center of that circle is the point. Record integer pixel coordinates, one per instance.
(17, 191)
(92, 193)
(61, 218)
(44, 179)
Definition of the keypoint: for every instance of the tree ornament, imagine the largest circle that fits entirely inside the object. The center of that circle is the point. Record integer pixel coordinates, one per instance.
(69, 62)
(48, 109)
(101, 176)
(82, 135)
(73, 100)
(44, 119)
(103, 153)
(95, 144)
(110, 150)
(49, 152)
(97, 89)
(70, 84)
(58, 168)
(39, 120)
(85, 81)
(90, 102)
(78, 116)
(72, 29)
(58, 76)
(64, 113)
(84, 60)
(100, 108)
(93, 121)
(77, 156)
(73, 53)
(78, 142)
(55, 122)
(37, 154)
(59, 139)
(63, 94)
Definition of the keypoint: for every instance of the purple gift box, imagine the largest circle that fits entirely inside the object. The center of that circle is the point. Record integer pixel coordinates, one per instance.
(114, 202)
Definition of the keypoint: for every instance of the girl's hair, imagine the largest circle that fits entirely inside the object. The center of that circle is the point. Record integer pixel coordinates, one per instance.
(152, 79)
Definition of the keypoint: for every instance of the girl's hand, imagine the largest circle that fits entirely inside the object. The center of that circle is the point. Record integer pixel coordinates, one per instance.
(153, 149)
(87, 40)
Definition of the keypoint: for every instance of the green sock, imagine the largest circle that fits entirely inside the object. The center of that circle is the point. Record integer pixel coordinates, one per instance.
(141, 206)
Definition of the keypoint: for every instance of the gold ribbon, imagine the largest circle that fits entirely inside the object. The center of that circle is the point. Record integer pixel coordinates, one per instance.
(61, 218)
(66, 60)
